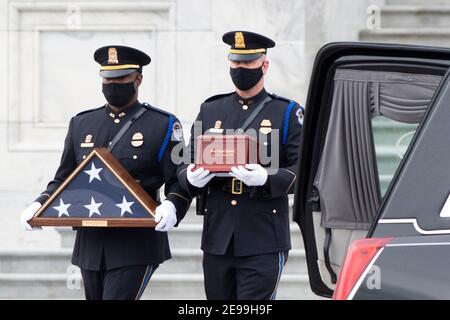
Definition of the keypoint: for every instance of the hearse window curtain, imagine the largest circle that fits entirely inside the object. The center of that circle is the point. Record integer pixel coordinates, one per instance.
(347, 176)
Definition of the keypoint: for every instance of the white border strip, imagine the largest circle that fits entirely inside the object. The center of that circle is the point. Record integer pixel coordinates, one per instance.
(363, 276)
(418, 244)
(415, 224)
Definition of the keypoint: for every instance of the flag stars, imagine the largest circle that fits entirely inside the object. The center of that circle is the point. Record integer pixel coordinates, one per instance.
(94, 173)
(125, 206)
(62, 208)
(93, 207)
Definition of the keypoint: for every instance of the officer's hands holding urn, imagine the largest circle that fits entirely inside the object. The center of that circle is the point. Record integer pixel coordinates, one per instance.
(200, 177)
(252, 175)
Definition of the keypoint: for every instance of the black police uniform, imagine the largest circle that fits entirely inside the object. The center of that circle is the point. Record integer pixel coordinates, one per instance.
(117, 263)
(244, 233)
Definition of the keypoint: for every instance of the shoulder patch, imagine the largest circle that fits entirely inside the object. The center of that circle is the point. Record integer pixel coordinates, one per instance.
(149, 107)
(177, 132)
(90, 110)
(300, 113)
(218, 96)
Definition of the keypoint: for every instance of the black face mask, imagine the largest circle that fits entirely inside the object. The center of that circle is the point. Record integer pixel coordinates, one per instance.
(244, 78)
(118, 94)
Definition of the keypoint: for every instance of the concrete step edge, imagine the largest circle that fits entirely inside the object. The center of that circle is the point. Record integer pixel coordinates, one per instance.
(386, 150)
(192, 226)
(167, 277)
(444, 32)
(380, 124)
(176, 252)
(415, 8)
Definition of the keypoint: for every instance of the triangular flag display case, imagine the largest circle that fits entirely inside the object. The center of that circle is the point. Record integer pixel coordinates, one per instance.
(98, 193)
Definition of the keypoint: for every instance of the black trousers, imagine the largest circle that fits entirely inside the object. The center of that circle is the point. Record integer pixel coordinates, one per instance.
(243, 278)
(126, 283)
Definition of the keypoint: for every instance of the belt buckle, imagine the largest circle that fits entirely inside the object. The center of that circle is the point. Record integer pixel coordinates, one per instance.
(233, 185)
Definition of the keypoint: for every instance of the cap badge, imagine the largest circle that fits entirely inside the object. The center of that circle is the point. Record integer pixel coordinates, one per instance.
(239, 41)
(112, 56)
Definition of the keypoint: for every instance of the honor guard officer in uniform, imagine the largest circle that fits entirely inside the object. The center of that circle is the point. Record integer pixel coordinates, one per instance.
(117, 263)
(246, 235)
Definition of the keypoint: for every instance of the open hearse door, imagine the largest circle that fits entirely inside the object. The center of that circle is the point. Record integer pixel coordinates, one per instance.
(367, 104)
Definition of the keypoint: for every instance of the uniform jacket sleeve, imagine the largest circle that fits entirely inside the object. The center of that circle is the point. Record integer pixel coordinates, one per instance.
(173, 190)
(182, 168)
(66, 166)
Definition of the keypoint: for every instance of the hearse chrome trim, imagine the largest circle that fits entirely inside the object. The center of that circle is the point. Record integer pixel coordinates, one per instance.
(418, 244)
(415, 224)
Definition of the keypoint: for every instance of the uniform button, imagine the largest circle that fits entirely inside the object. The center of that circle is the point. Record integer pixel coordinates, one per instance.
(206, 210)
(84, 157)
(245, 107)
(110, 142)
(116, 120)
(135, 157)
(274, 211)
(233, 202)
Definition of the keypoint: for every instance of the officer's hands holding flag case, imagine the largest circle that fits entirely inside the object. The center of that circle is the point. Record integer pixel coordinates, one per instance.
(28, 214)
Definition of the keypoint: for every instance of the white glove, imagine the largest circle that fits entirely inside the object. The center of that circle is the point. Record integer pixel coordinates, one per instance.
(166, 216)
(256, 176)
(200, 177)
(29, 213)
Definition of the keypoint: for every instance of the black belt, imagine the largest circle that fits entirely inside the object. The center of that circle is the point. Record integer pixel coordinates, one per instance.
(231, 185)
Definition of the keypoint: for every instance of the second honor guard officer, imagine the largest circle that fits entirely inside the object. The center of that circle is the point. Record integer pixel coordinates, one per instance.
(246, 235)
(117, 263)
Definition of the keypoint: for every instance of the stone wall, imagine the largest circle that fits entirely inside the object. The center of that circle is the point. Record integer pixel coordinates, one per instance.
(47, 73)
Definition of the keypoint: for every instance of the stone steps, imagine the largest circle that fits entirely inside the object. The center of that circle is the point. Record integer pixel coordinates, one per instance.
(45, 274)
(388, 159)
(387, 134)
(417, 36)
(186, 235)
(418, 2)
(161, 286)
(58, 261)
(414, 16)
(419, 22)
(389, 131)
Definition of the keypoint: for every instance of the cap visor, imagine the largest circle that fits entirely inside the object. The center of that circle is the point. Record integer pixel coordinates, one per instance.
(244, 57)
(116, 73)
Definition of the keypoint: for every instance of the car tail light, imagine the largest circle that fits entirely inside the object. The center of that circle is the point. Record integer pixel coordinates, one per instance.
(359, 255)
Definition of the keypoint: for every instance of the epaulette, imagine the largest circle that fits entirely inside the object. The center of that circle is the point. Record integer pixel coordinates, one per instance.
(218, 96)
(90, 110)
(149, 107)
(274, 96)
